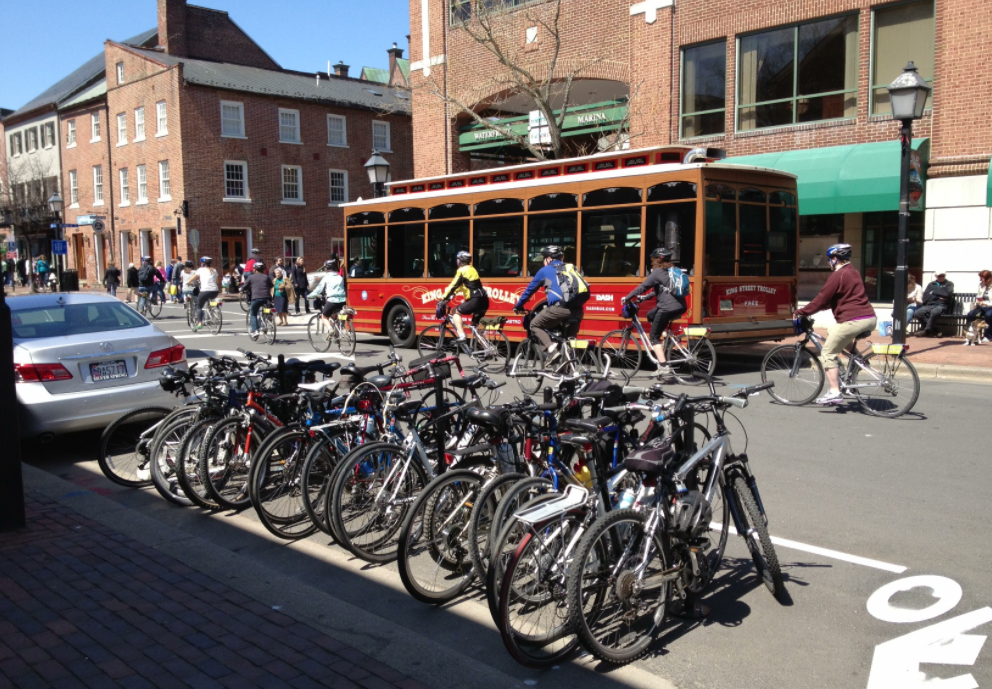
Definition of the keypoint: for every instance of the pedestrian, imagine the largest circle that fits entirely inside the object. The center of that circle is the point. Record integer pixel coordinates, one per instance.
(914, 297)
(160, 281)
(177, 278)
(938, 299)
(278, 264)
(169, 272)
(11, 274)
(112, 279)
(41, 269)
(280, 295)
(983, 307)
(132, 282)
(22, 271)
(300, 285)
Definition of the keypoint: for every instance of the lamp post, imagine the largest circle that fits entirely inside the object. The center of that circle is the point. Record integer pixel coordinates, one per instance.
(908, 96)
(378, 169)
(55, 206)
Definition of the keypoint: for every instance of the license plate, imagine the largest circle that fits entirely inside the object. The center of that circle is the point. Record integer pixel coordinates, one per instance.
(108, 370)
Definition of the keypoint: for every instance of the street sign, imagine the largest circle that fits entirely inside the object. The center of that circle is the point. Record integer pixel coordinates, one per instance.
(98, 226)
(56, 225)
(60, 247)
(11, 246)
(85, 219)
(194, 239)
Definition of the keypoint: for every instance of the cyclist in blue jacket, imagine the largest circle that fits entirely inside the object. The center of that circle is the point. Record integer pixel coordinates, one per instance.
(557, 312)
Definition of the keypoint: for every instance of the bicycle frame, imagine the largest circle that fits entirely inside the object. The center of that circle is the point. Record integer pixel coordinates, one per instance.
(854, 358)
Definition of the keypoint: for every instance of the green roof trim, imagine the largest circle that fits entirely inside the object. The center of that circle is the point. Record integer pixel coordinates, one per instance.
(988, 193)
(379, 76)
(858, 178)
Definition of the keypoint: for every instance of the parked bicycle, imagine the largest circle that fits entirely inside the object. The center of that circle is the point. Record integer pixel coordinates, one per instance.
(881, 378)
(488, 343)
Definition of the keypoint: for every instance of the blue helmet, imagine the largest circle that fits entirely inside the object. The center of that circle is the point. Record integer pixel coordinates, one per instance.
(840, 251)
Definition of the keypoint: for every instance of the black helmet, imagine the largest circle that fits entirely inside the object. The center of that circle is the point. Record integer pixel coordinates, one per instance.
(552, 252)
(840, 251)
(171, 380)
(691, 515)
(188, 264)
(662, 253)
(463, 257)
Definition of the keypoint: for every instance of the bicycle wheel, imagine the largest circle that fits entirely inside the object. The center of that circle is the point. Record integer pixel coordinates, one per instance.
(433, 554)
(755, 535)
(164, 457)
(529, 359)
(618, 589)
(491, 351)
(432, 340)
(275, 487)
(266, 327)
(213, 319)
(191, 316)
(533, 604)
(155, 306)
(624, 350)
(371, 496)
(796, 383)
(346, 337)
(317, 334)
(244, 301)
(335, 519)
(318, 472)
(124, 446)
(481, 519)
(187, 466)
(690, 357)
(225, 461)
(891, 384)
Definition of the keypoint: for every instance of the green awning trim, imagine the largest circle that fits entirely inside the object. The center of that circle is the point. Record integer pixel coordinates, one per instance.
(859, 178)
(582, 119)
(988, 193)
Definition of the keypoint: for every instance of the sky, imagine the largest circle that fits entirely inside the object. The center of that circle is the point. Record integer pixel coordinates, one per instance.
(298, 34)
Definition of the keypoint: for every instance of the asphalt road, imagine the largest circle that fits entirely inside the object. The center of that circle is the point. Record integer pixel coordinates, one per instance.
(857, 504)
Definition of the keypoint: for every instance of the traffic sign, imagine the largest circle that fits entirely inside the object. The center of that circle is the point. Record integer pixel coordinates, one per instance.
(98, 226)
(194, 239)
(11, 246)
(60, 247)
(56, 225)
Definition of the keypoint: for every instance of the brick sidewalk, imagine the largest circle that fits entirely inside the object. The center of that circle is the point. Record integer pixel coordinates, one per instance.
(84, 606)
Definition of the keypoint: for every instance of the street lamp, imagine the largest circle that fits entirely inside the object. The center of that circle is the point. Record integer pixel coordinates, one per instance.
(908, 97)
(378, 169)
(55, 206)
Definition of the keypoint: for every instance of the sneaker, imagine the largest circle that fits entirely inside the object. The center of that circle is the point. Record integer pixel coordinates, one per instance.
(967, 343)
(143, 473)
(462, 344)
(984, 340)
(830, 398)
(665, 374)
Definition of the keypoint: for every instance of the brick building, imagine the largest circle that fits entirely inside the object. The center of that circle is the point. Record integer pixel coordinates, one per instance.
(791, 85)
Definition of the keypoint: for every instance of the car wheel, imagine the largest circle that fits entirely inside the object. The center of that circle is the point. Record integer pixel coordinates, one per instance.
(400, 326)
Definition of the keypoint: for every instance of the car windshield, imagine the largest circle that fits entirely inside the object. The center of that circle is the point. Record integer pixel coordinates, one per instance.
(61, 320)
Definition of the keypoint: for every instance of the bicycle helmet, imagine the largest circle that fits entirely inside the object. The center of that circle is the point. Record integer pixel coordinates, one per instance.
(331, 264)
(146, 258)
(188, 264)
(840, 251)
(463, 258)
(171, 379)
(691, 515)
(662, 253)
(257, 252)
(552, 252)
(206, 261)
(258, 267)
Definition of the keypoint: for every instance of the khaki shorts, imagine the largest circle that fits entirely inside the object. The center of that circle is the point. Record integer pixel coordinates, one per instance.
(840, 336)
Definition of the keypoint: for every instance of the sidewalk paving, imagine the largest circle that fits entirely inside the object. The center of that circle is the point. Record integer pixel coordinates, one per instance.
(83, 605)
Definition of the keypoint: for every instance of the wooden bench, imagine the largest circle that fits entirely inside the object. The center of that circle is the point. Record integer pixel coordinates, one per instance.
(951, 324)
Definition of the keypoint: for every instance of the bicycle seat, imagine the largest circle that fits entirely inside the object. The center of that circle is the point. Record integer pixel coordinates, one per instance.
(468, 382)
(380, 381)
(486, 417)
(594, 425)
(362, 371)
(649, 460)
(863, 335)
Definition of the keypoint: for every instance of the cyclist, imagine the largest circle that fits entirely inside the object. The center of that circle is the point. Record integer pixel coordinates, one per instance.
(256, 255)
(476, 302)
(331, 289)
(667, 308)
(206, 278)
(258, 286)
(560, 309)
(844, 294)
(146, 280)
(187, 281)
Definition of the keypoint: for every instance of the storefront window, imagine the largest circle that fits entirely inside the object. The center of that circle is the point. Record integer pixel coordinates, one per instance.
(444, 241)
(366, 252)
(704, 89)
(406, 251)
(817, 233)
(881, 235)
(611, 243)
(498, 245)
(558, 229)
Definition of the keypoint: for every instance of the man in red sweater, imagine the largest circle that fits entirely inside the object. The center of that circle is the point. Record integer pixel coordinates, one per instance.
(844, 294)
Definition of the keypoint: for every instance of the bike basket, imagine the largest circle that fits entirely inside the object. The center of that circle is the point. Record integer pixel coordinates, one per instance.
(579, 344)
(492, 322)
(697, 332)
(890, 349)
(434, 371)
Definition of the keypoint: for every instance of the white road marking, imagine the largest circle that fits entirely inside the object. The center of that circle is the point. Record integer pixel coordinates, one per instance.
(947, 592)
(827, 552)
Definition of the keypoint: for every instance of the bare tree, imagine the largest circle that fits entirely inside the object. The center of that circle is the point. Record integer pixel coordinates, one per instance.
(543, 72)
(24, 200)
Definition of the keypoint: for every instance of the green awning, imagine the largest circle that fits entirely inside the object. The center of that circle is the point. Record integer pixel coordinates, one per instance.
(581, 119)
(988, 194)
(859, 178)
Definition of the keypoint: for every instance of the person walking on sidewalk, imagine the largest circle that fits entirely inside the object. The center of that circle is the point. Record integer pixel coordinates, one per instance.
(132, 282)
(983, 306)
(845, 295)
(301, 284)
(938, 299)
(177, 278)
(112, 279)
(280, 296)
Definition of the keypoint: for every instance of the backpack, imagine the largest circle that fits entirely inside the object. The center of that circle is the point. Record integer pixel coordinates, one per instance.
(146, 275)
(574, 288)
(678, 282)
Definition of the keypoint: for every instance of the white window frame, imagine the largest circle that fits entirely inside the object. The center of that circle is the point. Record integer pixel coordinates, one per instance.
(297, 244)
(244, 170)
(16, 145)
(344, 131)
(48, 134)
(70, 134)
(73, 189)
(141, 177)
(241, 119)
(120, 72)
(388, 148)
(164, 182)
(121, 129)
(161, 119)
(296, 114)
(139, 124)
(125, 187)
(337, 247)
(94, 127)
(330, 187)
(97, 185)
(32, 137)
(299, 183)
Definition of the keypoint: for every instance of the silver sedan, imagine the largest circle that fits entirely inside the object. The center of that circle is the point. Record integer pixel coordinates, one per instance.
(82, 360)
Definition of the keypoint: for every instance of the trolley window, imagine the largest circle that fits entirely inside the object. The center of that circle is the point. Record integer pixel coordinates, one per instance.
(498, 245)
(611, 242)
(673, 226)
(444, 241)
(448, 210)
(558, 229)
(366, 252)
(406, 251)
(366, 218)
(613, 196)
(406, 215)
(499, 207)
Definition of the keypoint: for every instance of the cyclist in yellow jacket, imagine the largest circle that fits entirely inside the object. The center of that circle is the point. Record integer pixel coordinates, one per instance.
(468, 284)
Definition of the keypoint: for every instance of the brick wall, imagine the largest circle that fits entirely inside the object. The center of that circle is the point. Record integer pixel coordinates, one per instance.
(199, 32)
(647, 56)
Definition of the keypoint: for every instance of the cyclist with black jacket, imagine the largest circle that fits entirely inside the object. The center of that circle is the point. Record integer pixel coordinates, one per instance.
(667, 308)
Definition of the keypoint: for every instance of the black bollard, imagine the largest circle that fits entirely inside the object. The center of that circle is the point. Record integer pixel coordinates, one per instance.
(11, 482)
